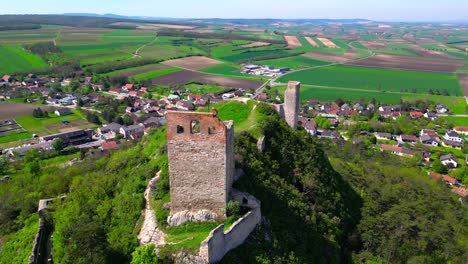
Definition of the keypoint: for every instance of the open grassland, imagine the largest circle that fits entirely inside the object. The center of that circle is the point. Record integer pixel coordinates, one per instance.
(457, 121)
(52, 124)
(195, 88)
(295, 62)
(15, 58)
(376, 79)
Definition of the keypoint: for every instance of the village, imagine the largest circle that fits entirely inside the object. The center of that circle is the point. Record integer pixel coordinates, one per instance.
(410, 130)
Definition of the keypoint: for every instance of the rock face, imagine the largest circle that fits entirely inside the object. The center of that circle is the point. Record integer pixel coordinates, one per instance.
(188, 216)
(201, 164)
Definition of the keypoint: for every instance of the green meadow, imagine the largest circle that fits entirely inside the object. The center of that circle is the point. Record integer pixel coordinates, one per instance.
(376, 79)
(15, 58)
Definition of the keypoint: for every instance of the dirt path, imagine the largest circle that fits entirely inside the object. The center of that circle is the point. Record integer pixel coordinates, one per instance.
(150, 233)
(135, 54)
(57, 36)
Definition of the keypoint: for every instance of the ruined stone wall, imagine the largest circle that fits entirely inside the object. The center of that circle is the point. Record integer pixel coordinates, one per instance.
(291, 103)
(219, 243)
(201, 162)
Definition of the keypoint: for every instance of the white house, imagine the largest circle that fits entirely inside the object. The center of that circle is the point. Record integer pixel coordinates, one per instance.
(449, 160)
(453, 136)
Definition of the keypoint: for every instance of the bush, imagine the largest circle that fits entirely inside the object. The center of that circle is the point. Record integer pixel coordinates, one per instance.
(233, 208)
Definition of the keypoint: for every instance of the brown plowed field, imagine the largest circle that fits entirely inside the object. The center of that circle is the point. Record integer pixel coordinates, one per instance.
(293, 42)
(328, 43)
(184, 77)
(341, 58)
(192, 63)
(409, 63)
(463, 78)
(374, 45)
(10, 110)
(255, 44)
(312, 42)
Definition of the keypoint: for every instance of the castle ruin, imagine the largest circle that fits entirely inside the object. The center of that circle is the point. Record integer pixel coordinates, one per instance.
(201, 166)
(291, 103)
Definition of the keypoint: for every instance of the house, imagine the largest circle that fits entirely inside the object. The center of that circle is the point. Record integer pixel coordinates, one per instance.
(127, 87)
(115, 90)
(441, 109)
(449, 160)
(109, 146)
(330, 134)
(461, 130)
(232, 95)
(453, 136)
(194, 97)
(460, 191)
(430, 132)
(75, 137)
(431, 116)
(134, 132)
(63, 111)
(450, 180)
(154, 122)
(397, 150)
(416, 115)
(428, 140)
(383, 136)
(452, 144)
(7, 78)
(185, 105)
(371, 107)
(309, 125)
(109, 128)
(358, 107)
(408, 139)
(133, 93)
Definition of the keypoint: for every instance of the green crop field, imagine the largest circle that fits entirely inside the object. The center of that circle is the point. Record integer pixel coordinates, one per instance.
(195, 88)
(155, 74)
(293, 62)
(119, 72)
(16, 59)
(376, 79)
(105, 58)
(456, 104)
(230, 70)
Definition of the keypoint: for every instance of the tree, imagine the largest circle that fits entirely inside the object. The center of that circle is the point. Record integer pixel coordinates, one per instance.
(4, 164)
(58, 144)
(34, 167)
(127, 120)
(465, 147)
(438, 167)
(145, 255)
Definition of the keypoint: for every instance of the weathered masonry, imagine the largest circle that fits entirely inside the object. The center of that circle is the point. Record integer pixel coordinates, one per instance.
(291, 103)
(201, 165)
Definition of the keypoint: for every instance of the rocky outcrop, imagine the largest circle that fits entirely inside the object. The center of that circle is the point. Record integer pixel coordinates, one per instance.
(201, 216)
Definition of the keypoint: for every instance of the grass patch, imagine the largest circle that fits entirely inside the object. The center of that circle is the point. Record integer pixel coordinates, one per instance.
(195, 88)
(187, 237)
(41, 126)
(233, 110)
(457, 121)
(230, 70)
(376, 79)
(15, 137)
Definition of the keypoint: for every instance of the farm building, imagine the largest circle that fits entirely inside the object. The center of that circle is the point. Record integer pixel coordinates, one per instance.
(62, 111)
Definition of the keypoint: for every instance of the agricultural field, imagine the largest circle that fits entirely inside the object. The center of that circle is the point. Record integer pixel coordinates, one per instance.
(328, 94)
(154, 74)
(410, 63)
(192, 63)
(12, 110)
(333, 57)
(231, 70)
(18, 60)
(136, 70)
(457, 121)
(376, 79)
(195, 88)
(295, 62)
(183, 77)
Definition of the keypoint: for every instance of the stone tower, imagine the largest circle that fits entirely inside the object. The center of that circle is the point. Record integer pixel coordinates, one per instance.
(201, 165)
(291, 103)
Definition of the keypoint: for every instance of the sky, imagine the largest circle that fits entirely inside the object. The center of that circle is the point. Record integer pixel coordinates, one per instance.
(381, 10)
